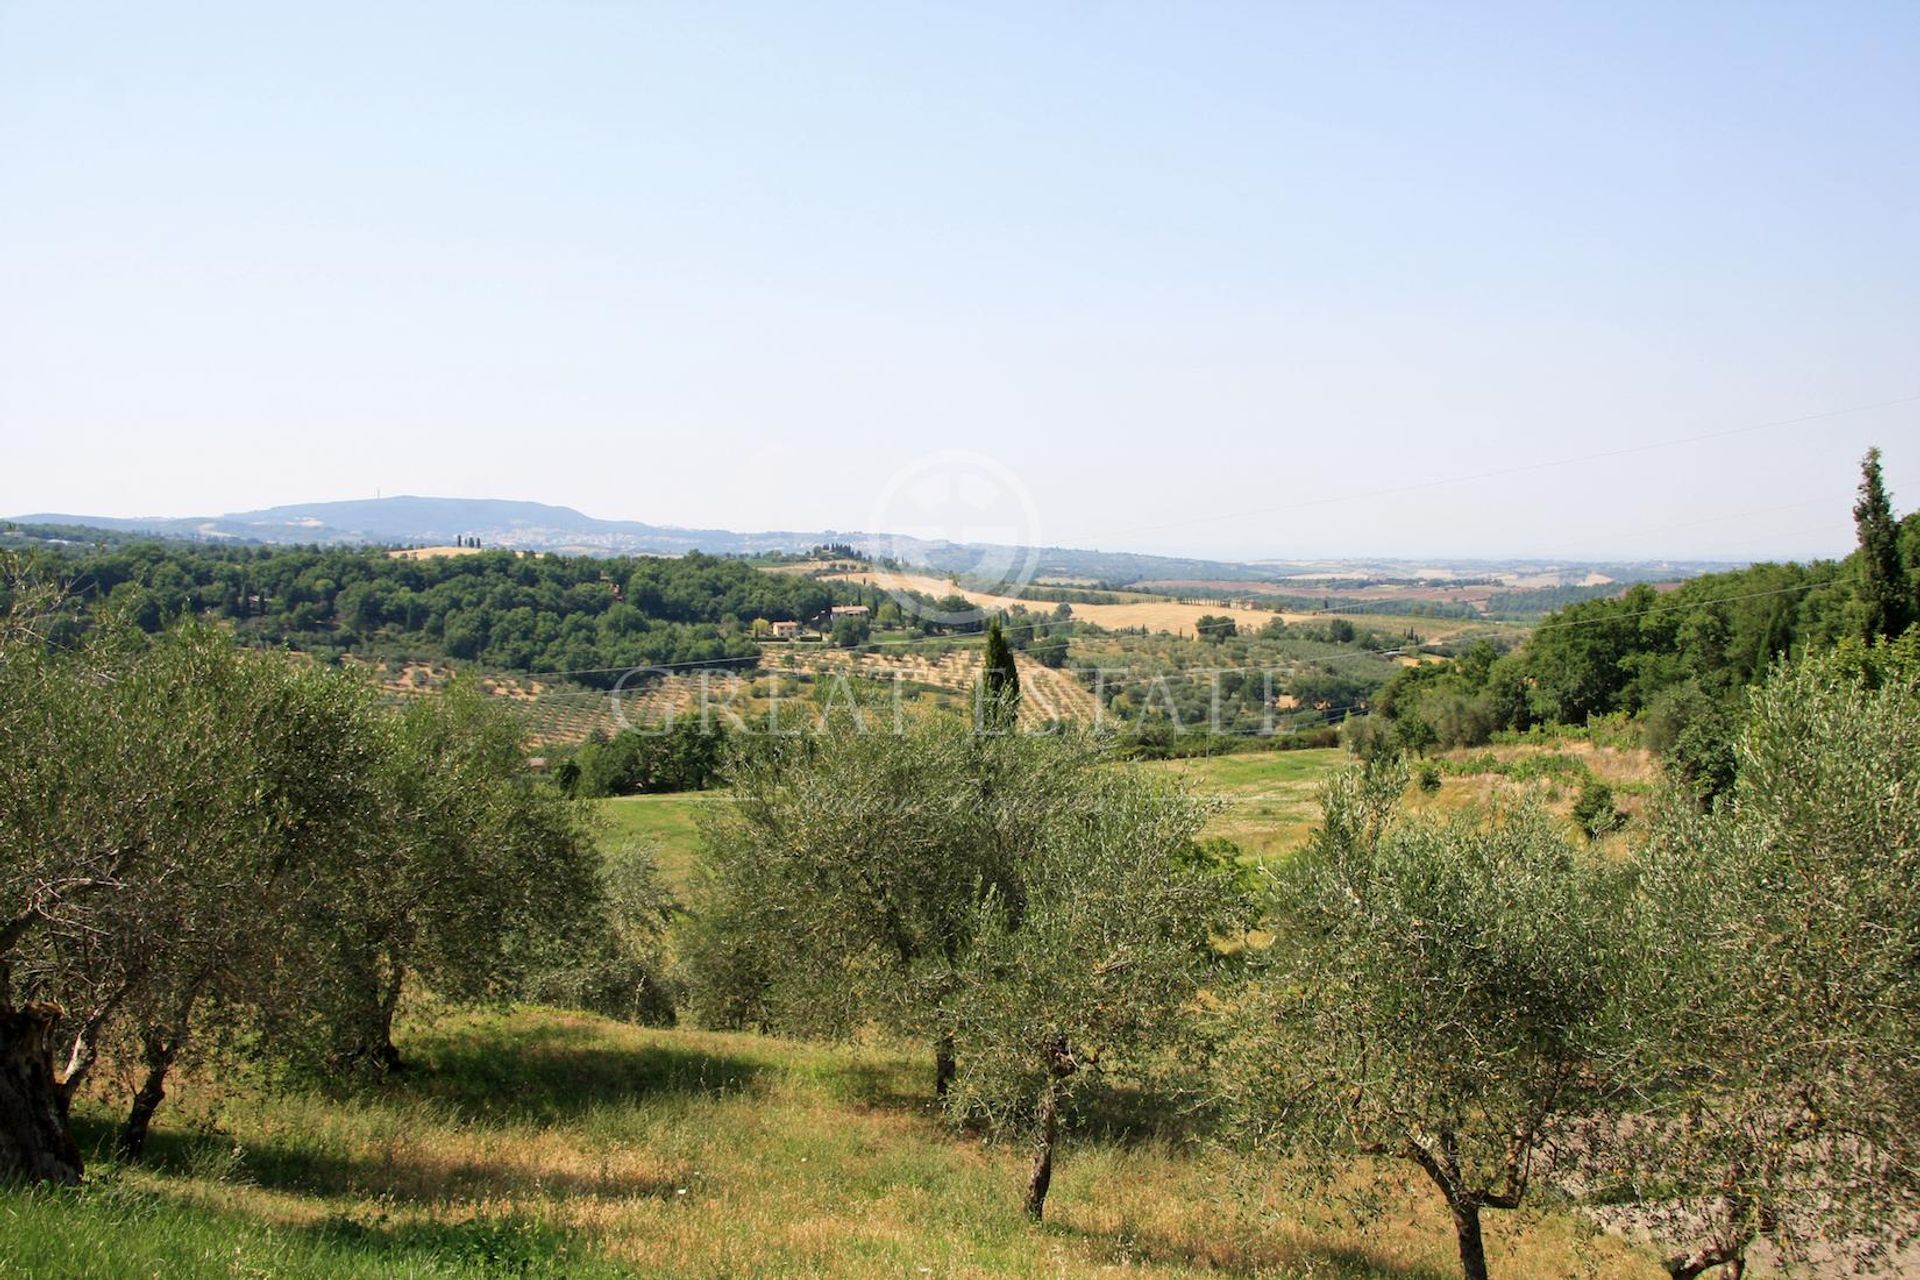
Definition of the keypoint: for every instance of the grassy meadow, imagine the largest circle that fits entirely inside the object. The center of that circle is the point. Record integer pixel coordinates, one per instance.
(1268, 800)
(1267, 805)
(668, 823)
(536, 1143)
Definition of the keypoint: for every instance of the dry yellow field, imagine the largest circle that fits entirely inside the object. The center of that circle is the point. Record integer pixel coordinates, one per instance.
(1155, 615)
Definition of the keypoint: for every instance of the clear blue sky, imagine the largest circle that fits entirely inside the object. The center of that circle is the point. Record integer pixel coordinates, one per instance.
(1183, 269)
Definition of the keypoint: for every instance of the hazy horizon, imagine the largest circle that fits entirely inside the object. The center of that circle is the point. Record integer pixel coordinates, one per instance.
(1253, 282)
(1436, 557)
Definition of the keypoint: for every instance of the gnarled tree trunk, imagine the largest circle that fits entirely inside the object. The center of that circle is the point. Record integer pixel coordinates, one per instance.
(1047, 1123)
(943, 1066)
(36, 1142)
(1060, 1065)
(365, 1040)
(1466, 1230)
(160, 1047)
(1688, 1266)
(1441, 1163)
(386, 1054)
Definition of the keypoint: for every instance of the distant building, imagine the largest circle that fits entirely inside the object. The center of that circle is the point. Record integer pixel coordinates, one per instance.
(849, 611)
(786, 630)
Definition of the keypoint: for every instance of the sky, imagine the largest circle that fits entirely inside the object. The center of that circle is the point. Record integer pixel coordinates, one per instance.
(1267, 280)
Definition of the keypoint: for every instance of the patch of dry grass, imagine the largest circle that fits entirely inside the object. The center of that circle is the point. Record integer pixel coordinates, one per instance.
(689, 1153)
(1155, 615)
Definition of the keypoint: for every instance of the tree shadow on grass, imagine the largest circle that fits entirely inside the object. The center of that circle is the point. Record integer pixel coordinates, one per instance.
(550, 1078)
(549, 1074)
(424, 1179)
(1247, 1255)
(412, 1176)
(884, 1085)
(489, 1246)
(1130, 1116)
(122, 1228)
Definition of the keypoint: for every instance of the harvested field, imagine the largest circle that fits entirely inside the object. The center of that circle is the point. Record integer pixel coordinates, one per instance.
(1155, 615)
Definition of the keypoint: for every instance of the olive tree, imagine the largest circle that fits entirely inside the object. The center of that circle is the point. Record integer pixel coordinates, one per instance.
(1435, 993)
(1777, 995)
(613, 960)
(215, 946)
(478, 867)
(172, 806)
(201, 845)
(843, 885)
(1091, 970)
(51, 873)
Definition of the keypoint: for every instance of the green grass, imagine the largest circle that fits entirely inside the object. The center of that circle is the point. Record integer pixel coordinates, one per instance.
(116, 1228)
(538, 1143)
(1268, 804)
(668, 822)
(1269, 799)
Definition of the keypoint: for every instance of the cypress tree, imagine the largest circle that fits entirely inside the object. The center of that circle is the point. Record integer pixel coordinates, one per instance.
(1885, 609)
(1001, 680)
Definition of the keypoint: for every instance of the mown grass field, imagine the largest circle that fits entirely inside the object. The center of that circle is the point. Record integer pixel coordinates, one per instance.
(1268, 800)
(1267, 804)
(669, 823)
(536, 1143)
(1155, 614)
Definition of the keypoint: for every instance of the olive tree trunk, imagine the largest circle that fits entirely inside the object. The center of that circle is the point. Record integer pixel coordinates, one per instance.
(1466, 1230)
(386, 1054)
(160, 1048)
(36, 1142)
(1060, 1064)
(1047, 1133)
(943, 1066)
(1441, 1163)
(366, 1036)
(1688, 1266)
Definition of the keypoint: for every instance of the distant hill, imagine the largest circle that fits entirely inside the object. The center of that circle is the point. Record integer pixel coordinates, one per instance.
(409, 520)
(538, 526)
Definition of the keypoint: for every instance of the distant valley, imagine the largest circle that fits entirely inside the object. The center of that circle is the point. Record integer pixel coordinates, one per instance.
(408, 521)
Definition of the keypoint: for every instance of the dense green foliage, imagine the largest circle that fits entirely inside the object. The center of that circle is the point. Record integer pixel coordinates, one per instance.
(205, 849)
(1681, 659)
(680, 756)
(590, 617)
(1436, 993)
(845, 878)
(1778, 1004)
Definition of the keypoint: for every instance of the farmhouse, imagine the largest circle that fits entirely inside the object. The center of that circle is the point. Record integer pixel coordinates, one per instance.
(786, 630)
